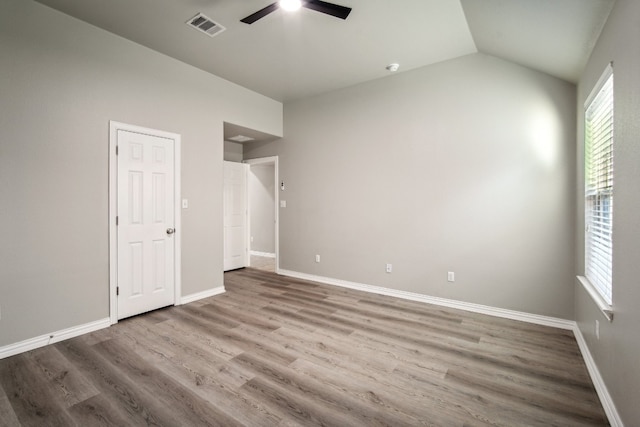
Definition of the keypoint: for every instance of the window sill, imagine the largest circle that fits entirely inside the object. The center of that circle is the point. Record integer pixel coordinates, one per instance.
(605, 308)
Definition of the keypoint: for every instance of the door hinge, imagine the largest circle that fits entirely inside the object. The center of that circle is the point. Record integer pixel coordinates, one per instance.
(117, 290)
(116, 220)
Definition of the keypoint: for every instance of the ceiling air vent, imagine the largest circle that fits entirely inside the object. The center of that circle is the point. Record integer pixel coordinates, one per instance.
(205, 24)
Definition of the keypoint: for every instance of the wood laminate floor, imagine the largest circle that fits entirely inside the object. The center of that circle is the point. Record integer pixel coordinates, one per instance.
(275, 351)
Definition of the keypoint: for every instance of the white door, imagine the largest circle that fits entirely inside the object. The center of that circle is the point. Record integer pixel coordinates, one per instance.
(146, 250)
(235, 215)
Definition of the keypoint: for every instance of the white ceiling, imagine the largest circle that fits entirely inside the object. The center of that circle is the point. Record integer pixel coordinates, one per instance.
(288, 56)
(553, 36)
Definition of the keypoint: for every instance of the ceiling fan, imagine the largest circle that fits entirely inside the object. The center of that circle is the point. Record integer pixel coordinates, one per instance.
(319, 6)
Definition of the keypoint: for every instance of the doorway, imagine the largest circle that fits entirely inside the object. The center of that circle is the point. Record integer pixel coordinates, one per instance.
(144, 219)
(263, 213)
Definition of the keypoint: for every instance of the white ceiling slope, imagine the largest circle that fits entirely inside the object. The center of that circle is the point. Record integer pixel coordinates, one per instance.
(553, 36)
(288, 56)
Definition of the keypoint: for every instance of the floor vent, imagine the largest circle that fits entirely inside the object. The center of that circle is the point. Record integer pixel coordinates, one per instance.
(205, 24)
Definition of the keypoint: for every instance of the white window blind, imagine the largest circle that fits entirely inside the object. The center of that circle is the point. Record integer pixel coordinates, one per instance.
(599, 186)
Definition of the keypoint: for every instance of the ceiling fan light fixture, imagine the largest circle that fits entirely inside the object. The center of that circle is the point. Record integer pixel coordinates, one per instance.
(327, 8)
(290, 5)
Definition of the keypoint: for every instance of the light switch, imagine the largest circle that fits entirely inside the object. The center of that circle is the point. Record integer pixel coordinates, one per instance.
(283, 203)
(185, 203)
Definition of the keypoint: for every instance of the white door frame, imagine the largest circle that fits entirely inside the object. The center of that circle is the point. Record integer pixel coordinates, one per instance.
(267, 161)
(114, 127)
(246, 257)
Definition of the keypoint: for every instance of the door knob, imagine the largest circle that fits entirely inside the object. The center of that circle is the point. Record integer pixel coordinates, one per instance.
(171, 230)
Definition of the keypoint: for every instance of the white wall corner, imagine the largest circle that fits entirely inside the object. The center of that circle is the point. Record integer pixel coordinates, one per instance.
(598, 381)
(201, 295)
(53, 337)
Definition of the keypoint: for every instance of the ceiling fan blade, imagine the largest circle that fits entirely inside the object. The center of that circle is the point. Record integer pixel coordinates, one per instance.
(329, 8)
(260, 14)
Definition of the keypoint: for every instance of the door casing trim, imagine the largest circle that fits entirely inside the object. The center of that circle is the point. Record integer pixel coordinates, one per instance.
(114, 127)
(266, 161)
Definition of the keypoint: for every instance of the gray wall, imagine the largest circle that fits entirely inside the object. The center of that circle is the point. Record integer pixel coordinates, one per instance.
(618, 350)
(262, 204)
(464, 166)
(61, 82)
(233, 151)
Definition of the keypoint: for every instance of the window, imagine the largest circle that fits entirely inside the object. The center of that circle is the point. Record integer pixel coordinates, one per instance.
(598, 192)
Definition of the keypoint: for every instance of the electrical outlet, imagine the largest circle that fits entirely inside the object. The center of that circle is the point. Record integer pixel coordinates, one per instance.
(317, 258)
(451, 276)
(597, 329)
(251, 239)
(389, 268)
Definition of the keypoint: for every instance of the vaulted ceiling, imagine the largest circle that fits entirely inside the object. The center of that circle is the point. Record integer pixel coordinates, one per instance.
(287, 56)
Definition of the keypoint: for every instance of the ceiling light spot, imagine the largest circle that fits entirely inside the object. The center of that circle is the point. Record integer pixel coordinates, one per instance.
(290, 5)
(392, 67)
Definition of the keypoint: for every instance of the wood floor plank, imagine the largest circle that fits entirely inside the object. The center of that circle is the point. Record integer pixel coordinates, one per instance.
(446, 328)
(214, 380)
(211, 316)
(32, 397)
(7, 414)
(72, 387)
(237, 339)
(280, 351)
(175, 350)
(333, 351)
(206, 345)
(101, 411)
(477, 406)
(242, 317)
(426, 330)
(294, 406)
(160, 387)
(319, 321)
(115, 386)
(580, 413)
(313, 399)
(404, 403)
(461, 354)
(419, 313)
(282, 320)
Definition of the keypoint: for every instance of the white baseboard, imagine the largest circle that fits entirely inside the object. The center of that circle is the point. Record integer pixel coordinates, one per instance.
(598, 382)
(204, 294)
(57, 336)
(263, 254)
(53, 337)
(461, 305)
